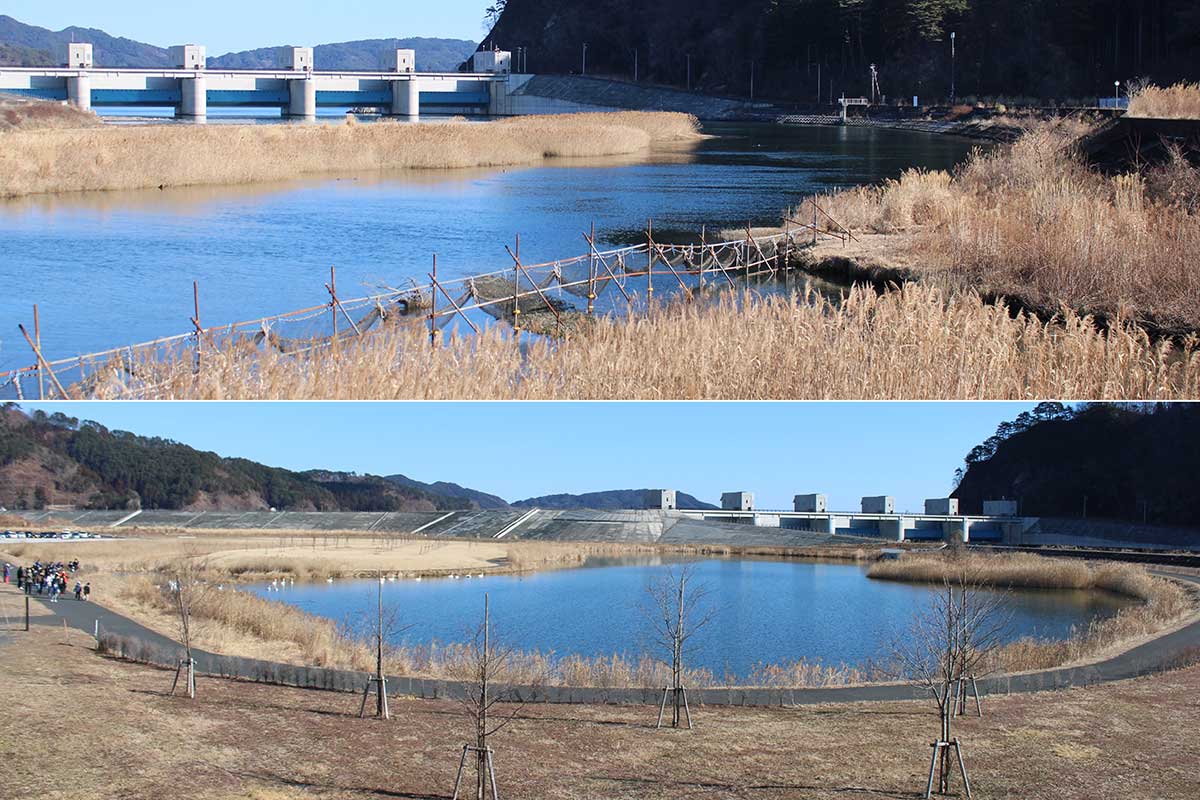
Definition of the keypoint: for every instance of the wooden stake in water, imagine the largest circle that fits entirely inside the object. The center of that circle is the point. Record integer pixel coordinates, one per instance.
(649, 261)
(37, 337)
(433, 306)
(196, 322)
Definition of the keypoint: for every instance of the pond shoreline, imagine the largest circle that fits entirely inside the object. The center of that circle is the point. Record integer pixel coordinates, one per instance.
(1165, 650)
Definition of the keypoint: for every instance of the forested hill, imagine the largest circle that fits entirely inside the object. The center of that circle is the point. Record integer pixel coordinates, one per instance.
(31, 46)
(55, 459)
(36, 45)
(1013, 48)
(1126, 460)
(613, 500)
(433, 55)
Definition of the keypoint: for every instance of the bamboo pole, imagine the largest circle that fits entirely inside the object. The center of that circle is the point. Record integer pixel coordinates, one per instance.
(37, 351)
(649, 263)
(558, 317)
(591, 296)
(433, 307)
(517, 288)
(437, 286)
(37, 336)
(332, 287)
(608, 269)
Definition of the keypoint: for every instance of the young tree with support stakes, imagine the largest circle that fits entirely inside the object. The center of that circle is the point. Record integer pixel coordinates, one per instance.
(951, 641)
(486, 665)
(380, 626)
(677, 610)
(186, 589)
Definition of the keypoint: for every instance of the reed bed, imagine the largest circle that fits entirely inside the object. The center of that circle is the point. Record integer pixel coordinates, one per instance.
(916, 342)
(1181, 101)
(1032, 223)
(1161, 602)
(139, 157)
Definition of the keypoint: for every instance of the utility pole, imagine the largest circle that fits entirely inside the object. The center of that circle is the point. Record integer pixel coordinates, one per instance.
(584, 59)
(953, 56)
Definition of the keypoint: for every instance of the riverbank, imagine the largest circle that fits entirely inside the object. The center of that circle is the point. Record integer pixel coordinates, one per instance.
(149, 156)
(1032, 224)
(21, 114)
(256, 742)
(1161, 603)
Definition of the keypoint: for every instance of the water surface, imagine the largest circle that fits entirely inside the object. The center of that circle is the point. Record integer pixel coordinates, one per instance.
(115, 268)
(765, 611)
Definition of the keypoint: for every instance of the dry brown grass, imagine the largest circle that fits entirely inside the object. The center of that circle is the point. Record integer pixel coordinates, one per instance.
(912, 343)
(1181, 101)
(1032, 223)
(1161, 602)
(19, 114)
(124, 738)
(137, 157)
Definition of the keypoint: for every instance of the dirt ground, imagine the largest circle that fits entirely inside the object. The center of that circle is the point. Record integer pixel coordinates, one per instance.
(74, 724)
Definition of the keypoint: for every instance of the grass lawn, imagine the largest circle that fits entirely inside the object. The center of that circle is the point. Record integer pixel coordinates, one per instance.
(77, 725)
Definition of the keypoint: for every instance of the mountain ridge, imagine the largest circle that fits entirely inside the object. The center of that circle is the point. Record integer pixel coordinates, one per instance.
(54, 459)
(30, 45)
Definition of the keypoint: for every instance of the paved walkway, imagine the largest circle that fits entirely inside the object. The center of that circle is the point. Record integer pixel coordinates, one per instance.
(1156, 655)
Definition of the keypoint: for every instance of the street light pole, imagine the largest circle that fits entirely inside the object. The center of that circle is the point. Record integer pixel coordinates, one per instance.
(689, 71)
(1116, 94)
(584, 58)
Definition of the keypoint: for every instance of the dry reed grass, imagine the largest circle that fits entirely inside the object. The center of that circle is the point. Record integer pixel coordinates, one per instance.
(1032, 223)
(20, 114)
(911, 343)
(138, 157)
(1181, 101)
(1161, 602)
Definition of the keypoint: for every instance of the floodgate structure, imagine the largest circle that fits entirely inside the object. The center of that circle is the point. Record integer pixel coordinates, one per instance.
(295, 86)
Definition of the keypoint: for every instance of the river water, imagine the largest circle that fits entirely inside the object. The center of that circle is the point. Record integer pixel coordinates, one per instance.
(766, 612)
(115, 268)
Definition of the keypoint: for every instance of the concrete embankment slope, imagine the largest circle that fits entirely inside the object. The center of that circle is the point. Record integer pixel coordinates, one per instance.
(561, 93)
(633, 526)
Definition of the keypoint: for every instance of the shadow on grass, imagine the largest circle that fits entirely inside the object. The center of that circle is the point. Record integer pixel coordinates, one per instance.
(756, 787)
(254, 706)
(294, 783)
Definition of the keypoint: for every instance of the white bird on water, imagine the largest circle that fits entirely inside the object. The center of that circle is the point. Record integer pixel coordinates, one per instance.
(329, 579)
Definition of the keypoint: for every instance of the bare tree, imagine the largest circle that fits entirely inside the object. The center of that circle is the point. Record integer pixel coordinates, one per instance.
(186, 587)
(487, 664)
(677, 611)
(379, 626)
(951, 640)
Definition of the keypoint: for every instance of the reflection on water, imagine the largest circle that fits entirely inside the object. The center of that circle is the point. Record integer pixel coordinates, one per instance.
(265, 249)
(766, 611)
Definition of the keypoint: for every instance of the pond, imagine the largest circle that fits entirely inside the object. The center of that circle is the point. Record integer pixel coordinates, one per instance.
(766, 612)
(114, 268)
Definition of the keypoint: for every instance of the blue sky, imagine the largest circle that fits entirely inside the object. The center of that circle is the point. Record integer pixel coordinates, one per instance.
(230, 25)
(519, 450)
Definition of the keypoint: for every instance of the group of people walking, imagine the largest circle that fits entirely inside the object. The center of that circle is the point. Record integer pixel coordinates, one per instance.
(50, 580)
